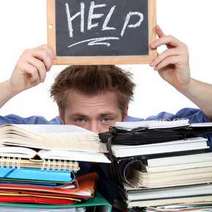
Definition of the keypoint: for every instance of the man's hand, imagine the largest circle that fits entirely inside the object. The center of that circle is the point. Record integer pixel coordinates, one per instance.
(31, 68)
(173, 63)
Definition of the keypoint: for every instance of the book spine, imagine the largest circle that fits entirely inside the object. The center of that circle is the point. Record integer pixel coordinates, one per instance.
(60, 165)
(8, 162)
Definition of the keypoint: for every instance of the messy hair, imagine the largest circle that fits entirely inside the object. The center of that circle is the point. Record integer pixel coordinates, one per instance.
(93, 80)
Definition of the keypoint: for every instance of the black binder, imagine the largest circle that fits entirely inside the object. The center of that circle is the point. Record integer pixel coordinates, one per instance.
(139, 136)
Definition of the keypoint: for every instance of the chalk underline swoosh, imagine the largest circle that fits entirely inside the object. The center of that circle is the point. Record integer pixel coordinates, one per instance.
(96, 41)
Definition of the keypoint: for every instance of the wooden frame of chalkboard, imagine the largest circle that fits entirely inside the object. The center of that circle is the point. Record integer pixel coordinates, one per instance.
(87, 50)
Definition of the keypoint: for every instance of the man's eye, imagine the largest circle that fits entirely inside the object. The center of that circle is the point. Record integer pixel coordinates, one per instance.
(107, 120)
(80, 120)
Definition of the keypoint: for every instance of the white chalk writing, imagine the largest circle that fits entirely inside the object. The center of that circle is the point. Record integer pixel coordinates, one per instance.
(107, 19)
(126, 23)
(71, 18)
(92, 15)
(94, 19)
(95, 41)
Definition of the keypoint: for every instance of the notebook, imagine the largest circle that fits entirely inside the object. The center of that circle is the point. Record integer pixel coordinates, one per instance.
(179, 159)
(171, 202)
(172, 192)
(157, 148)
(152, 124)
(36, 174)
(56, 146)
(47, 159)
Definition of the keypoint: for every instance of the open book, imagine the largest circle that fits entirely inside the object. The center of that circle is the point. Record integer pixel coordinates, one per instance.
(51, 137)
(49, 146)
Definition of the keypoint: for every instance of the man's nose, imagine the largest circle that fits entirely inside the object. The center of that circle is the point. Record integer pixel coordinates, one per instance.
(94, 127)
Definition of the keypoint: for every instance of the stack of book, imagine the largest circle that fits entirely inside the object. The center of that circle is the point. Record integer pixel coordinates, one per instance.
(39, 164)
(162, 163)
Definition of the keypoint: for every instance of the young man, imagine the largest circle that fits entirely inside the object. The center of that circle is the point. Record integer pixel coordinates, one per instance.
(95, 97)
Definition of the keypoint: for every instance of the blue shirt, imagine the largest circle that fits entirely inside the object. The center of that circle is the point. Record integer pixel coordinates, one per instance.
(194, 115)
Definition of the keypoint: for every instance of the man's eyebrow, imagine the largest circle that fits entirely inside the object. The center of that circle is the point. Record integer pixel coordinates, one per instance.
(78, 115)
(108, 114)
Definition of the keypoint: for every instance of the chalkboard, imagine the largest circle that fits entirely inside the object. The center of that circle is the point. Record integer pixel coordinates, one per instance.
(101, 31)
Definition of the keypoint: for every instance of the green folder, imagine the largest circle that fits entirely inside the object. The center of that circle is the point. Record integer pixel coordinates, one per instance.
(99, 201)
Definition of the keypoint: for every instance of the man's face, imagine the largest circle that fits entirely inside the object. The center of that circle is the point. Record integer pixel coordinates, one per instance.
(96, 113)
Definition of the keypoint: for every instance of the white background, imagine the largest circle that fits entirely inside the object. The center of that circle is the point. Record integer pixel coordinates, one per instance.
(23, 25)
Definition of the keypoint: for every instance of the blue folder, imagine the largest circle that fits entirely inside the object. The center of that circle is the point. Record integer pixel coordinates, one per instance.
(36, 174)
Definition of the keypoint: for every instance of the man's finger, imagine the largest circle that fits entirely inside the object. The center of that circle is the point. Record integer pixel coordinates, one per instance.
(165, 54)
(43, 55)
(39, 65)
(159, 31)
(49, 50)
(32, 72)
(166, 40)
(172, 60)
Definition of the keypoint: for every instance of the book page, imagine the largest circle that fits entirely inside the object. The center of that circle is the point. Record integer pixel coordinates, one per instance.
(204, 124)
(74, 156)
(51, 128)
